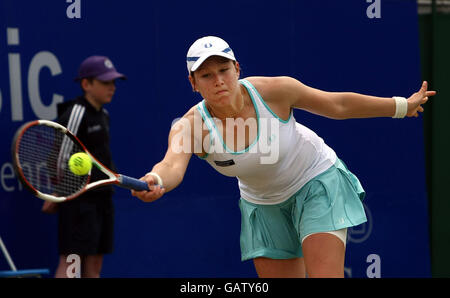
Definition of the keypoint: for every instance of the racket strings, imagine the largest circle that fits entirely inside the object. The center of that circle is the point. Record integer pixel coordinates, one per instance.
(43, 154)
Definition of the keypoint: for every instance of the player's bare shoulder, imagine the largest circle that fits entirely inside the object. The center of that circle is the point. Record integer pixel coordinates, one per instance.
(270, 88)
(190, 126)
(184, 124)
(261, 84)
(276, 91)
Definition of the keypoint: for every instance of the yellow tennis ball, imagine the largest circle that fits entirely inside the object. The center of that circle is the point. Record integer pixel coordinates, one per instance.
(80, 164)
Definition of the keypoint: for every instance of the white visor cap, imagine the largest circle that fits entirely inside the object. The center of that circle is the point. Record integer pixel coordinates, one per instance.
(205, 47)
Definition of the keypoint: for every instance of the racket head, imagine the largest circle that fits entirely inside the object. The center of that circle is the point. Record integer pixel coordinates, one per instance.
(40, 153)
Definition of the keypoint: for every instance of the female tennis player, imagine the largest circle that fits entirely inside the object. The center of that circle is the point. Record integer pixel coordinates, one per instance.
(296, 204)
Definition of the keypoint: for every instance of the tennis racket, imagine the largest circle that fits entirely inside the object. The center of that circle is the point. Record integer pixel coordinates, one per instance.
(40, 152)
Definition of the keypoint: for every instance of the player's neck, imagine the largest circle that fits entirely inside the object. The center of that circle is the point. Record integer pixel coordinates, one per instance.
(234, 110)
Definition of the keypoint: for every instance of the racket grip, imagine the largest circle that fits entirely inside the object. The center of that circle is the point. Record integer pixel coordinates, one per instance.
(133, 183)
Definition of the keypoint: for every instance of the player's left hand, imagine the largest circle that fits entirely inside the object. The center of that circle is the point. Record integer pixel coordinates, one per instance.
(416, 100)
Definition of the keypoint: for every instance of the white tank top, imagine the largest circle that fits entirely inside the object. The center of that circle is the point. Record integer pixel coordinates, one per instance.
(284, 156)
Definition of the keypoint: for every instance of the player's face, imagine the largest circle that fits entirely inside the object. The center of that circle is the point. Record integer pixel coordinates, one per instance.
(100, 91)
(217, 80)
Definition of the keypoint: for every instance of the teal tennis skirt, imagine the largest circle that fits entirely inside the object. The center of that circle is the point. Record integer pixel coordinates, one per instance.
(328, 202)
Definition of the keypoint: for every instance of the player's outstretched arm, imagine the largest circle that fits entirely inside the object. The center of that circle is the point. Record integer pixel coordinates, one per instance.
(169, 172)
(341, 105)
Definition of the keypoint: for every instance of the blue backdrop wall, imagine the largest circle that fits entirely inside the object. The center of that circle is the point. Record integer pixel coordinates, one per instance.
(194, 230)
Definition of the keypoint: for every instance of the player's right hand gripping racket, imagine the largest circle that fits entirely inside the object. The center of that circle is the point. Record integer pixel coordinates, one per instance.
(40, 152)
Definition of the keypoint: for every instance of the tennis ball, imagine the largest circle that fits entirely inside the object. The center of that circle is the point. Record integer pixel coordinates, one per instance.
(80, 164)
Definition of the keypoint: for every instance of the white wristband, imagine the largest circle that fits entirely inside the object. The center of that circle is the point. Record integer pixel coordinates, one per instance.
(158, 179)
(401, 107)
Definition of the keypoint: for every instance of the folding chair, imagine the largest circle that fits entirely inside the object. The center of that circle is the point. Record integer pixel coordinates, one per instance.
(18, 273)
